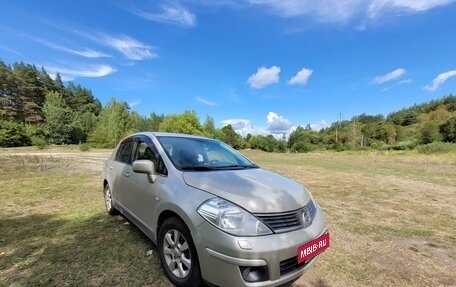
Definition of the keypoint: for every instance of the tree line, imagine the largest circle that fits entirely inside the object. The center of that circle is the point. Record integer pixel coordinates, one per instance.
(421, 124)
(36, 109)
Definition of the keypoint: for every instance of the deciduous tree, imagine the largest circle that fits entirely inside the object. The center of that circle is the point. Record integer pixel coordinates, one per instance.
(58, 115)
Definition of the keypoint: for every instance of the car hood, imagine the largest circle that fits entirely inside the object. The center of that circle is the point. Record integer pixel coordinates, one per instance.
(257, 190)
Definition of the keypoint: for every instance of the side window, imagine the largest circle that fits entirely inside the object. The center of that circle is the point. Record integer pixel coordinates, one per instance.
(144, 152)
(161, 168)
(148, 151)
(124, 152)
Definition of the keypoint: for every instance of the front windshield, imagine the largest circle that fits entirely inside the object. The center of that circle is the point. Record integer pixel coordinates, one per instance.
(201, 154)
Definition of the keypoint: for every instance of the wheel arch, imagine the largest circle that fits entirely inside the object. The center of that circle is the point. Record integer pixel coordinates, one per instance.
(166, 214)
(190, 219)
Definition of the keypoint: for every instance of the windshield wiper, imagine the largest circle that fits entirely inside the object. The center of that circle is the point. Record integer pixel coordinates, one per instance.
(222, 167)
(197, 168)
(234, 166)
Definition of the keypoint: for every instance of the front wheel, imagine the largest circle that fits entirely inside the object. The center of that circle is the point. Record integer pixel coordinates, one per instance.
(178, 254)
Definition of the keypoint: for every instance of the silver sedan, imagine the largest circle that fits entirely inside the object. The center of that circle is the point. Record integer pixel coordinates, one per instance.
(214, 215)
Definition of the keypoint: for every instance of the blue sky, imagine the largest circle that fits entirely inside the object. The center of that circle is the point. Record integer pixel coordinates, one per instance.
(265, 66)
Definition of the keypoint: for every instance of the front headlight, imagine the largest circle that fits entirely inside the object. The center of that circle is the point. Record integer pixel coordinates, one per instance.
(231, 218)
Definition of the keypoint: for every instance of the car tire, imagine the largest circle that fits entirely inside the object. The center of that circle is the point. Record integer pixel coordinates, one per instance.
(177, 253)
(110, 209)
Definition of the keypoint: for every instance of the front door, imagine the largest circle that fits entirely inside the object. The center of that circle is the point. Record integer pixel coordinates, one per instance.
(141, 195)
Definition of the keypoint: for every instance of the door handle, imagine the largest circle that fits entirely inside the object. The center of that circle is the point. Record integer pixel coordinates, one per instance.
(127, 174)
(110, 168)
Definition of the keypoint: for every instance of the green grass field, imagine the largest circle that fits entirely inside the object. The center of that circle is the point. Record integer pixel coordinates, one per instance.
(392, 219)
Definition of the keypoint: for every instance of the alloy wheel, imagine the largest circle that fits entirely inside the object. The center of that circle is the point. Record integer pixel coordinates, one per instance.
(177, 253)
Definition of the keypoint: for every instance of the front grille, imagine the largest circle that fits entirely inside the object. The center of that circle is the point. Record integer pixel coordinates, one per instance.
(291, 264)
(287, 221)
(281, 221)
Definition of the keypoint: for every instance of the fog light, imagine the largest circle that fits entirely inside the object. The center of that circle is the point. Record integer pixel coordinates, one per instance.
(254, 273)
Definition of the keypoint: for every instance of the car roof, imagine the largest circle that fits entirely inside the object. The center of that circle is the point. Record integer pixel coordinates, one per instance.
(165, 134)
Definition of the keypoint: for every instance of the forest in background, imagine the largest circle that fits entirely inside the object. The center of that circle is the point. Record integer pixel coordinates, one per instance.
(38, 110)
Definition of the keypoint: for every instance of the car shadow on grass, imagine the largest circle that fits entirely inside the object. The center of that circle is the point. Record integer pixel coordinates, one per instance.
(85, 250)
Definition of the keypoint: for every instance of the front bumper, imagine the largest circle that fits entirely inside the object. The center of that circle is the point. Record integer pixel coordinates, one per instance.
(221, 254)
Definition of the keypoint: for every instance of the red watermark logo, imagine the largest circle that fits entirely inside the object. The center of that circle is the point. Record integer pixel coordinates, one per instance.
(313, 248)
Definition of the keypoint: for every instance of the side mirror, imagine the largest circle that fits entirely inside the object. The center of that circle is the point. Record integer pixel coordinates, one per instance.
(145, 166)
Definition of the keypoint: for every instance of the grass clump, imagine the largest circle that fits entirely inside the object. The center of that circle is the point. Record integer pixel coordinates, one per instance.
(402, 145)
(437, 147)
(84, 147)
(39, 142)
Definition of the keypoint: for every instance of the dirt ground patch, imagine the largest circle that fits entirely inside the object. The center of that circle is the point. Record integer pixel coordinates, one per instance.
(92, 161)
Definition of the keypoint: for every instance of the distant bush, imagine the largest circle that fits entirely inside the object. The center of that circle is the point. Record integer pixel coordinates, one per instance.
(302, 146)
(34, 131)
(337, 146)
(84, 147)
(13, 134)
(402, 145)
(376, 144)
(39, 142)
(448, 130)
(437, 147)
(429, 132)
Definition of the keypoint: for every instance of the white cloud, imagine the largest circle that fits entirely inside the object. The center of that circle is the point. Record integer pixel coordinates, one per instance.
(134, 103)
(334, 11)
(301, 77)
(322, 11)
(88, 53)
(440, 80)
(404, 81)
(172, 14)
(384, 90)
(264, 77)
(278, 125)
(241, 126)
(132, 49)
(69, 74)
(85, 52)
(389, 76)
(322, 124)
(10, 50)
(377, 7)
(204, 101)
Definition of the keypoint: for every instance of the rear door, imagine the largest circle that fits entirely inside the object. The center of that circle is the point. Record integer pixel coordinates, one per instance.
(120, 169)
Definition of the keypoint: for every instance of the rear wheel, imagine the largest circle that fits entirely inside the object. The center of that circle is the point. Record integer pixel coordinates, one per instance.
(110, 209)
(178, 254)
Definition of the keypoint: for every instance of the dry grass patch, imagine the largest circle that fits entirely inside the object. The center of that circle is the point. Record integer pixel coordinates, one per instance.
(392, 218)
(55, 232)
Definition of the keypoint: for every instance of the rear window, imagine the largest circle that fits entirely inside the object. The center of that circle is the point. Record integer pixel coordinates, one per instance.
(124, 152)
